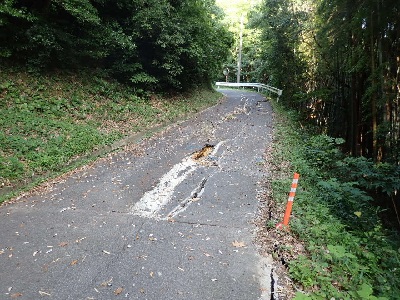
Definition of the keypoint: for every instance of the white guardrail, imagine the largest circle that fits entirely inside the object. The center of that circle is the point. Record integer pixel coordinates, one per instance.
(252, 85)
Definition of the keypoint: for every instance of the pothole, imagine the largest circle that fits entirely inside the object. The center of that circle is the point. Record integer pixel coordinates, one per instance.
(203, 153)
(205, 156)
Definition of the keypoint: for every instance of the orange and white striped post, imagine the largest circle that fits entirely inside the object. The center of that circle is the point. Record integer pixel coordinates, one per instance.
(289, 204)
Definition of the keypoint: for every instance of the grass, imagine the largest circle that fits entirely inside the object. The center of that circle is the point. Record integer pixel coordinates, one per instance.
(349, 252)
(48, 122)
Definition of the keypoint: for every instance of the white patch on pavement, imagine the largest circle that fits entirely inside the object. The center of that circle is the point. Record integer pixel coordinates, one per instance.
(194, 196)
(152, 201)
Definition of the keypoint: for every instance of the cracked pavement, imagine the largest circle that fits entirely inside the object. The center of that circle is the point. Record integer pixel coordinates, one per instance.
(154, 224)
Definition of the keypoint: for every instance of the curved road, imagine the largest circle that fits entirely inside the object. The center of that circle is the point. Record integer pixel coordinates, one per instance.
(169, 219)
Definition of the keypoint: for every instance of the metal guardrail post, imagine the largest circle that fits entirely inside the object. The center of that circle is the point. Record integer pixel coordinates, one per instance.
(253, 85)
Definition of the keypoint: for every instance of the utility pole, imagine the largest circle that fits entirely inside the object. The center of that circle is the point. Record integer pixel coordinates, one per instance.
(239, 62)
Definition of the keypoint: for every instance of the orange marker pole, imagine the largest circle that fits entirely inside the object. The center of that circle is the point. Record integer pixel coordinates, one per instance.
(289, 204)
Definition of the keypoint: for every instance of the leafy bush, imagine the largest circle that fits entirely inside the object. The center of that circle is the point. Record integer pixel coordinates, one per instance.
(323, 151)
(150, 45)
(382, 177)
(11, 168)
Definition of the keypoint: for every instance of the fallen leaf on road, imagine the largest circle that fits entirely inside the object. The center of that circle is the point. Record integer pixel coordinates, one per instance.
(45, 268)
(206, 254)
(16, 295)
(62, 244)
(74, 262)
(238, 244)
(151, 274)
(118, 291)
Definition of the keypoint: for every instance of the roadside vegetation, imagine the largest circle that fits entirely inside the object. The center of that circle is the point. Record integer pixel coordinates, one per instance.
(351, 242)
(53, 122)
(150, 45)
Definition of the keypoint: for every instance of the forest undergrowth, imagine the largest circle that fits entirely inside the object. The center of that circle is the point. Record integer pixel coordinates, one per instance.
(340, 244)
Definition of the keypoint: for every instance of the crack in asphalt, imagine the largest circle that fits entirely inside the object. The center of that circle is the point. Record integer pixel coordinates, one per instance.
(194, 196)
(205, 224)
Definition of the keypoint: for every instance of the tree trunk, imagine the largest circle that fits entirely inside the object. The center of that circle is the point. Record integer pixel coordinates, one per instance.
(373, 96)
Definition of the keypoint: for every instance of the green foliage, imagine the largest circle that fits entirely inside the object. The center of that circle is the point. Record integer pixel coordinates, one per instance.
(337, 62)
(323, 150)
(301, 296)
(11, 167)
(42, 134)
(143, 79)
(280, 38)
(82, 10)
(151, 45)
(381, 177)
(350, 253)
(362, 175)
(8, 9)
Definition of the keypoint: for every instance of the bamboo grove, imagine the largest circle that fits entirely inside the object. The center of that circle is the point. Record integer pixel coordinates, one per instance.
(339, 64)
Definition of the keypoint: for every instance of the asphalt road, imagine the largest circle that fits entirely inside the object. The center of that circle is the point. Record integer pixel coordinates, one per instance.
(171, 219)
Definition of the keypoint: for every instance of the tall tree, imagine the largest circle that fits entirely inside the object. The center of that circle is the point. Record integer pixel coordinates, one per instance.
(338, 63)
(280, 36)
(167, 44)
